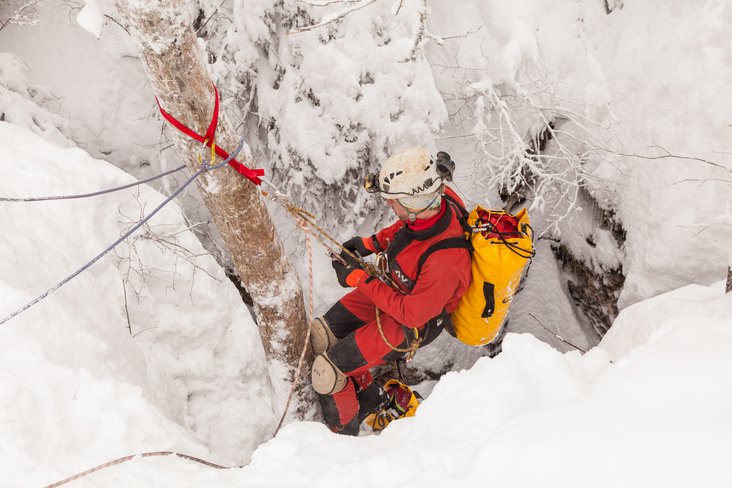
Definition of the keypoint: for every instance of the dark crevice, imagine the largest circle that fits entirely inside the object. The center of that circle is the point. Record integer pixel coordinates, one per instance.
(595, 294)
(198, 21)
(406, 374)
(234, 277)
(616, 5)
(232, 274)
(595, 291)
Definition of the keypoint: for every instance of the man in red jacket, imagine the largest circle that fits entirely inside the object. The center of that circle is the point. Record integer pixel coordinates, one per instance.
(376, 322)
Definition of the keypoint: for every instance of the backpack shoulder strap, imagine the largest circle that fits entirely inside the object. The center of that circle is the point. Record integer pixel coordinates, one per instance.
(449, 243)
(462, 214)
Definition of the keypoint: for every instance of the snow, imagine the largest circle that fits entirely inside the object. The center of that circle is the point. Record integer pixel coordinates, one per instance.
(81, 384)
(96, 86)
(185, 369)
(91, 19)
(684, 111)
(658, 415)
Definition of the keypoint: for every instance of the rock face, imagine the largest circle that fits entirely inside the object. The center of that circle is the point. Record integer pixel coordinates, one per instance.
(594, 282)
(596, 294)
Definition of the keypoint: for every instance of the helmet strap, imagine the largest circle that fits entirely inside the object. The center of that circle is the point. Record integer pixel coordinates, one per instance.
(412, 213)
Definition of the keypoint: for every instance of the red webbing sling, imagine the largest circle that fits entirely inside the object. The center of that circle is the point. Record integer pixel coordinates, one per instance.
(208, 139)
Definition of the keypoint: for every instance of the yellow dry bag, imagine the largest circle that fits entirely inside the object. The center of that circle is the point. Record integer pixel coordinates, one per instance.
(502, 249)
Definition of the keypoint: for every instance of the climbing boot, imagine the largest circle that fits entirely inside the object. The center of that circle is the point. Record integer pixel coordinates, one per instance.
(371, 400)
(321, 337)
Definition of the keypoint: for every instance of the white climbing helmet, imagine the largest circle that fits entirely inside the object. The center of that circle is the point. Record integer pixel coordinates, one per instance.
(410, 175)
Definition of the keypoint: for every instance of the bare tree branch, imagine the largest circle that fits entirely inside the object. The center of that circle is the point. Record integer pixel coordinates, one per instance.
(333, 18)
(703, 180)
(117, 22)
(668, 155)
(439, 39)
(144, 330)
(127, 310)
(399, 8)
(210, 16)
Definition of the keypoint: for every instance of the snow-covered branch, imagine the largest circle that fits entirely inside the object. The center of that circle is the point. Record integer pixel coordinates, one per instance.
(333, 17)
(326, 3)
(422, 34)
(524, 149)
(22, 15)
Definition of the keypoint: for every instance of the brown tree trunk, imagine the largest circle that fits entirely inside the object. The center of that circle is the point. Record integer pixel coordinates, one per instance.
(179, 79)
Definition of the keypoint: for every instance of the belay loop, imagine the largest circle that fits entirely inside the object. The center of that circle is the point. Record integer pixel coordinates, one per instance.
(207, 139)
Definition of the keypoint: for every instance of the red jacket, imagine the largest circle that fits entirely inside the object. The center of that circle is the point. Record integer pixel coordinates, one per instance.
(444, 277)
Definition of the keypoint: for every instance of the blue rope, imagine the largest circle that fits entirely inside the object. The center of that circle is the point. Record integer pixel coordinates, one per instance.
(94, 194)
(204, 167)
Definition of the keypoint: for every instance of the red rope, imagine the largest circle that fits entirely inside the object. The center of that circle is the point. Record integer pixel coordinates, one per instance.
(208, 139)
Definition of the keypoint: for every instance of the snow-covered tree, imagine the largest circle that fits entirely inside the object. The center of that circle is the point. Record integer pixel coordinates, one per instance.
(178, 76)
(329, 89)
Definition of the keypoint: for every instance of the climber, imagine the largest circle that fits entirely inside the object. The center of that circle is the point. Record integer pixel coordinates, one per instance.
(375, 322)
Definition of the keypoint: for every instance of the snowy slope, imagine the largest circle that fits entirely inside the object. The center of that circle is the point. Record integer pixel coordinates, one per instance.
(98, 86)
(656, 417)
(77, 377)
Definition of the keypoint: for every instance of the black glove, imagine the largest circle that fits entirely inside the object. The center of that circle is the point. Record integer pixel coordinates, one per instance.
(445, 165)
(356, 245)
(348, 274)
